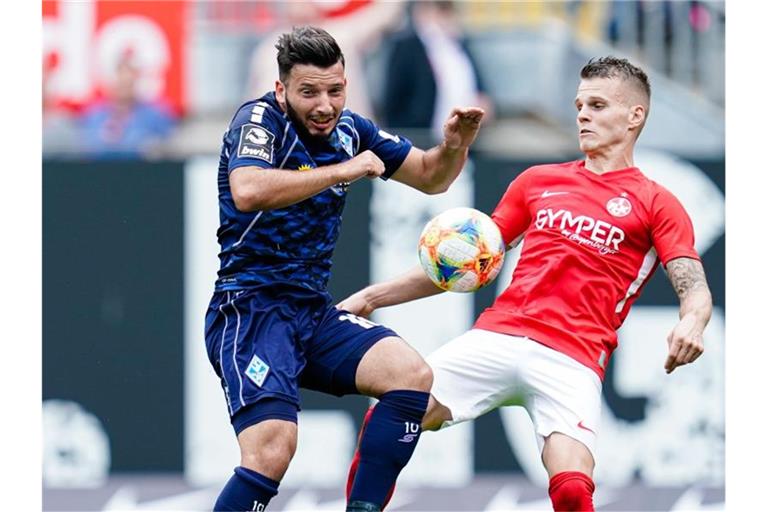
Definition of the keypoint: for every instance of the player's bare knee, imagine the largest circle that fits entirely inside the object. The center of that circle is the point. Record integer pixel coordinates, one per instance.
(392, 365)
(564, 453)
(414, 374)
(268, 447)
(422, 376)
(270, 458)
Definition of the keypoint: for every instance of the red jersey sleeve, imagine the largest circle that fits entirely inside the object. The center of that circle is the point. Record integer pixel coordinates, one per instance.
(671, 229)
(512, 215)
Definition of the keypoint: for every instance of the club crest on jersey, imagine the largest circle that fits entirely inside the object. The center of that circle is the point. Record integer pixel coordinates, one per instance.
(346, 142)
(619, 206)
(256, 142)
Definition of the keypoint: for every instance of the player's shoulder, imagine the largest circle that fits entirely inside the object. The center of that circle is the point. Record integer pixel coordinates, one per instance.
(656, 187)
(659, 194)
(655, 198)
(263, 111)
(256, 130)
(648, 187)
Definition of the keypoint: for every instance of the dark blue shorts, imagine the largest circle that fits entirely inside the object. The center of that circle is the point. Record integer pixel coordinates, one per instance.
(266, 342)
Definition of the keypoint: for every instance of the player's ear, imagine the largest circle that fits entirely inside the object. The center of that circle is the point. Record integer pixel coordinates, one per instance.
(636, 116)
(280, 92)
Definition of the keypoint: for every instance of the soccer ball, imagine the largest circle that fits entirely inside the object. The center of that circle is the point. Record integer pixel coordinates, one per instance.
(461, 250)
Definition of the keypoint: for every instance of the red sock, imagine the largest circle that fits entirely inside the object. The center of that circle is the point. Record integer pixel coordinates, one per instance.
(356, 461)
(571, 491)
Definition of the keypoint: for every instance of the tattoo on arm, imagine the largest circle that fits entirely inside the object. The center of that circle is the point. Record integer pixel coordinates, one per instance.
(686, 274)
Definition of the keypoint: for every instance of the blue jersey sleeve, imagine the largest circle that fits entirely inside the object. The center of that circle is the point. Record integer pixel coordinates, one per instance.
(254, 136)
(392, 149)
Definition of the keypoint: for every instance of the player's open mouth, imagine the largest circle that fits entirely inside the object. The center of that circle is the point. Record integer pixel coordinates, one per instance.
(321, 125)
(585, 132)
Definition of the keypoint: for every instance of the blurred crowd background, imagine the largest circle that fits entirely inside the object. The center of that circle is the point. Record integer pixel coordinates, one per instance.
(130, 80)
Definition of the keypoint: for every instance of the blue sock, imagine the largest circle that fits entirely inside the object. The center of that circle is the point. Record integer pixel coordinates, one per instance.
(246, 490)
(388, 443)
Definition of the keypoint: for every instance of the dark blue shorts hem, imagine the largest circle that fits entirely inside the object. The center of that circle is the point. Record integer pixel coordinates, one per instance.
(268, 408)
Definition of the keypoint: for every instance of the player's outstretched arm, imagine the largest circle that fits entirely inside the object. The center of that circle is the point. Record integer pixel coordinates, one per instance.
(685, 341)
(254, 188)
(434, 170)
(412, 285)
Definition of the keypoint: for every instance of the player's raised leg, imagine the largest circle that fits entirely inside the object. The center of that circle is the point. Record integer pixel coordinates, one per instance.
(434, 418)
(570, 465)
(397, 375)
(459, 390)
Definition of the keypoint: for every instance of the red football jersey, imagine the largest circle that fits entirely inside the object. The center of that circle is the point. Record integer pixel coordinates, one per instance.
(591, 243)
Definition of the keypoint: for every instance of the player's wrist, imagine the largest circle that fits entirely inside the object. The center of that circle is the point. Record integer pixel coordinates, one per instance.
(376, 295)
(336, 173)
(453, 149)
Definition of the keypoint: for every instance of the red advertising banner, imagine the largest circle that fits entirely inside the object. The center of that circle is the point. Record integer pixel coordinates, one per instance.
(84, 41)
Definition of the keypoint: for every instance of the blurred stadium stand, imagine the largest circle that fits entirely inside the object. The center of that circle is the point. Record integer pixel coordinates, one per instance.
(529, 53)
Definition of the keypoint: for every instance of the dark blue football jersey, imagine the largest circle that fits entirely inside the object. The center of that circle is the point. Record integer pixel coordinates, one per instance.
(294, 243)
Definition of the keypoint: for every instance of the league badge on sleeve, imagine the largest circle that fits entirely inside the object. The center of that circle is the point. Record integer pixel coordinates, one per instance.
(256, 142)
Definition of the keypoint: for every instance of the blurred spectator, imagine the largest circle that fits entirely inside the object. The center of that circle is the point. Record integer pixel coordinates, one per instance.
(59, 127)
(357, 25)
(123, 125)
(430, 70)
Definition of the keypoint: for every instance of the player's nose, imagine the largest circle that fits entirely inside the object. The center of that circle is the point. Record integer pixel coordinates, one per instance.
(582, 115)
(324, 105)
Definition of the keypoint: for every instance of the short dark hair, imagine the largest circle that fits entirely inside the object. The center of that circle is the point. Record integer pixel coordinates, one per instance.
(306, 45)
(613, 67)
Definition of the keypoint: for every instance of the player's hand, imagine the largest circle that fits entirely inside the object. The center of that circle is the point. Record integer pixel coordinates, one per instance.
(460, 130)
(685, 343)
(366, 164)
(357, 304)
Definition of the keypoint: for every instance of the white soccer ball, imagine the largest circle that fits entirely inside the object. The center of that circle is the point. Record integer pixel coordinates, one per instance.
(461, 250)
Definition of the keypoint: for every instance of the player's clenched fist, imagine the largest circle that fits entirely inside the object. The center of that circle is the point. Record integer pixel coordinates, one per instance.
(461, 128)
(364, 164)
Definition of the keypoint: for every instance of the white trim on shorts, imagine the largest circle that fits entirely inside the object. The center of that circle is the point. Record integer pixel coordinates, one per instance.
(483, 370)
